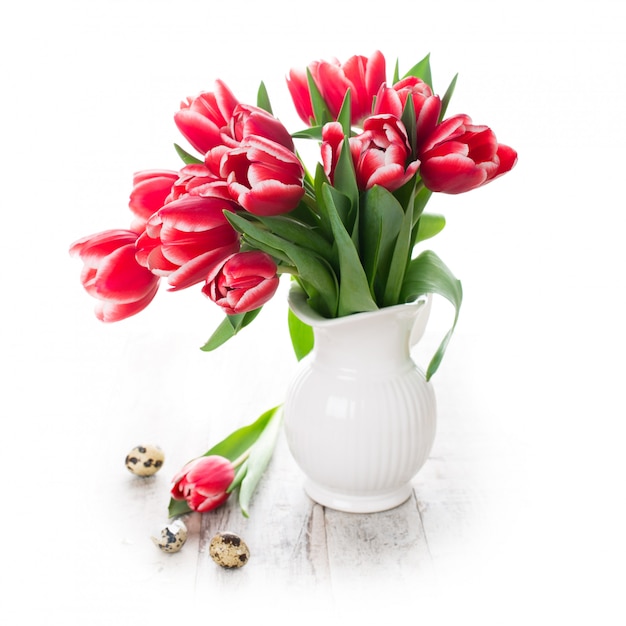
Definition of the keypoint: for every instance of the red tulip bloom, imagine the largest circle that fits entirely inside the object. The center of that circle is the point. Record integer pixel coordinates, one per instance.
(250, 120)
(112, 275)
(212, 120)
(459, 156)
(427, 107)
(361, 75)
(187, 237)
(264, 177)
(151, 189)
(381, 153)
(246, 281)
(203, 482)
(205, 119)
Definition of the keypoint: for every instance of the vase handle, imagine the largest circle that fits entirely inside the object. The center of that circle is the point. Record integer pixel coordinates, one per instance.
(419, 326)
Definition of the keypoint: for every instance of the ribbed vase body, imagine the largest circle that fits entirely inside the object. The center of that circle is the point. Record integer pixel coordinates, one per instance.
(359, 415)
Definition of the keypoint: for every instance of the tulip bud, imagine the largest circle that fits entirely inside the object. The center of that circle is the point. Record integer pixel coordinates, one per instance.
(246, 281)
(203, 482)
(459, 156)
(263, 176)
(112, 275)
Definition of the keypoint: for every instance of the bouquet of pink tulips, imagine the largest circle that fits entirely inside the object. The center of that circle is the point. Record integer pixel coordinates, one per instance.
(244, 208)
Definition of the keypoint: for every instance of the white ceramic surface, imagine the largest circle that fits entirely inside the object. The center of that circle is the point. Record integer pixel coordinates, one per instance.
(359, 415)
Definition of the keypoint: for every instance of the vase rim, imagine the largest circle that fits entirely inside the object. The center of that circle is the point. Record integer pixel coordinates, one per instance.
(298, 304)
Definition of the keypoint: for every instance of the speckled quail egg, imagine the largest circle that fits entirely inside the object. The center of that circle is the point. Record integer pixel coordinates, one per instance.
(172, 537)
(229, 550)
(145, 460)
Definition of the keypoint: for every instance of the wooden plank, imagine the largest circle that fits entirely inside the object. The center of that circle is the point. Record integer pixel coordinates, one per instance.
(377, 559)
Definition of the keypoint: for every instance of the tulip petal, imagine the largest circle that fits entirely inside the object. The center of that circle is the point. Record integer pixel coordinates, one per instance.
(225, 99)
(120, 279)
(158, 264)
(200, 132)
(508, 159)
(93, 248)
(333, 85)
(107, 311)
(256, 297)
(194, 213)
(271, 197)
(375, 73)
(181, 247)
(453, 173)
(448, 129)
(150, 190)
(212, 502)
(242, 265)
(196, 270)
(265, 125)
(299, 90)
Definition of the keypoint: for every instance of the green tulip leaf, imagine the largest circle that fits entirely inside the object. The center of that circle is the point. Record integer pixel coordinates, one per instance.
(410, 124)
(229, 327)
(307, 211)
(381, 220)
(177, 508)
(445, 101)
(420, 201)
(399, 259)
(428, 274)
(301, 335)
(260, 455)
(422, 70)
(298, 233)
(240, 474)
(321, 114)
(345, 114)
(354, 291)
(242, 439)
(263, 99)
(187, 158)
(344, 180)
(429, 225)
(396, 72)
(320, 180)
(314, 132)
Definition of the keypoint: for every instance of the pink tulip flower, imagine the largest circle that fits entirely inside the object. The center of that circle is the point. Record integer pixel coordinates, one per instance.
(204, 120)
(187, 237)
(264, 177)
(203, 483)
(250, 120)
(427, 107)
(218, 119)
(112, 275)
(246, 281)
(361, 75)
(151, 189)
(459, 156)
(381, 153)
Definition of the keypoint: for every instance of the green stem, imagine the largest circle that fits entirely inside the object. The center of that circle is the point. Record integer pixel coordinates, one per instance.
(242, 459)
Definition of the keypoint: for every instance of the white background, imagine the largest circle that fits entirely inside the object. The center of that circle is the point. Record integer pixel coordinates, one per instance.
(88, 94)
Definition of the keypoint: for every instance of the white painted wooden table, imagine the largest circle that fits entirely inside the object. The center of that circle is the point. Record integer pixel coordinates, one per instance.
(97, 391)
